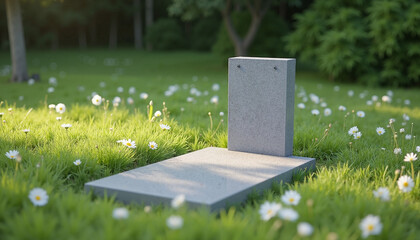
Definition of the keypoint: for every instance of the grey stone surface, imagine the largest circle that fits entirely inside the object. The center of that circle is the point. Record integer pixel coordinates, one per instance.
(211, 177)
(261, 105)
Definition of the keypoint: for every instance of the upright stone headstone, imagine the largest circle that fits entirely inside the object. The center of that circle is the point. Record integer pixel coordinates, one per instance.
(261, 105)
(260, 145)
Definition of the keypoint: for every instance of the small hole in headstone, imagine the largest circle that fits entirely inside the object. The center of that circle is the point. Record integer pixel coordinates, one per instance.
(275, 68)
(239, 66)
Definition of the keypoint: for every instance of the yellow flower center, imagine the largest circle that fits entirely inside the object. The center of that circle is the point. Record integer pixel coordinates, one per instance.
(12, 156)
(152, 146)
(128, 144)
(405, 184)
(291, 200)
(370, 227)
(380, 131)
(61, 109)
(37, 198)
(270, 211)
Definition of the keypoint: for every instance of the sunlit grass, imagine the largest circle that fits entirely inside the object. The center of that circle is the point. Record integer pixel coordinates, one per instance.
(335, 198)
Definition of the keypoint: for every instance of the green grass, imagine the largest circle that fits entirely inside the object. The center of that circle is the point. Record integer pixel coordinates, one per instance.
(340, 189)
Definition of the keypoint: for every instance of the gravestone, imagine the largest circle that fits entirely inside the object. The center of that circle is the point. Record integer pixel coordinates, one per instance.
(260, 145)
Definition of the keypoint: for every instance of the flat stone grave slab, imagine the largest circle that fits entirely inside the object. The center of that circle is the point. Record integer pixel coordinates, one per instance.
(211, 177)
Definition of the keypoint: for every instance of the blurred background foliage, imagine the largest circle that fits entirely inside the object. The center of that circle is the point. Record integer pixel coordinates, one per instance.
(375, 42)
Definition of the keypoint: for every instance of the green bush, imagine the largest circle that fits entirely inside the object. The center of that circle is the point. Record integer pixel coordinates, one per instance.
(166, 34)
(376, 42)
(268, 41)
(204, 33)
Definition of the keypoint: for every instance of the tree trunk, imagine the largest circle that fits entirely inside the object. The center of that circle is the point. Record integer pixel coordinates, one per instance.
(92, 32)
(16, 41)
(138, 38)
(257, 12)
(82, 38)
(149, 20)
(113, 32)
(54, 40)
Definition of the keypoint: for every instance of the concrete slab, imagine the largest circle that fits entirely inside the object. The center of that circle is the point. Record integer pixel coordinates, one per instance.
(211, 177)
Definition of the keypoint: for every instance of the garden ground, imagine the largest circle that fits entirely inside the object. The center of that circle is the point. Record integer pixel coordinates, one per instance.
(334, 199)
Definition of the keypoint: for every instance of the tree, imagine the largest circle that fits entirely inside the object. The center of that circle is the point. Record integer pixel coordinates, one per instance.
(17, 41)
(138, 39)
(190, 9)
(371, 41)
(149, 19)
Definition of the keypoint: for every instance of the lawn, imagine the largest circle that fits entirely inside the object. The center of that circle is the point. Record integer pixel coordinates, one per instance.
(335, 198)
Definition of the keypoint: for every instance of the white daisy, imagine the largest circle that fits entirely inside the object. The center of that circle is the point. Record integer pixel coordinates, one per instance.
(269, 210)
(375, 98)
(120, 213)
(408, 137)
(58, 118)
(357, 135)
(402, 130)
(291, 197)
(214, 100)
(360, 114)
(132, 90)
(38, 196)
(301, 106)
(397, 151)
(164, 126)
(288, 214)
(129, 143)
(350, 93)
(174, 222)
(50, 90)
(353, 130)
(305, 229)
(221, 114)
(66, 126)
(382, 193)
(52, 81)
(370, 225)
(342, 108)
(405, 183)
(410, 157)
(178, 201)
(120, 89)
(327, 112)
(418, 148)
(158, 114)
(97, 100)
(386, 99)
(25, 130)
(153, 145)
(215, 87)
(51, 106)
(380, 130)
(77, 162)
(315, 112)
(130, 100)
(143, 95)
(60, 108)
(323, 104)
(12, 154)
